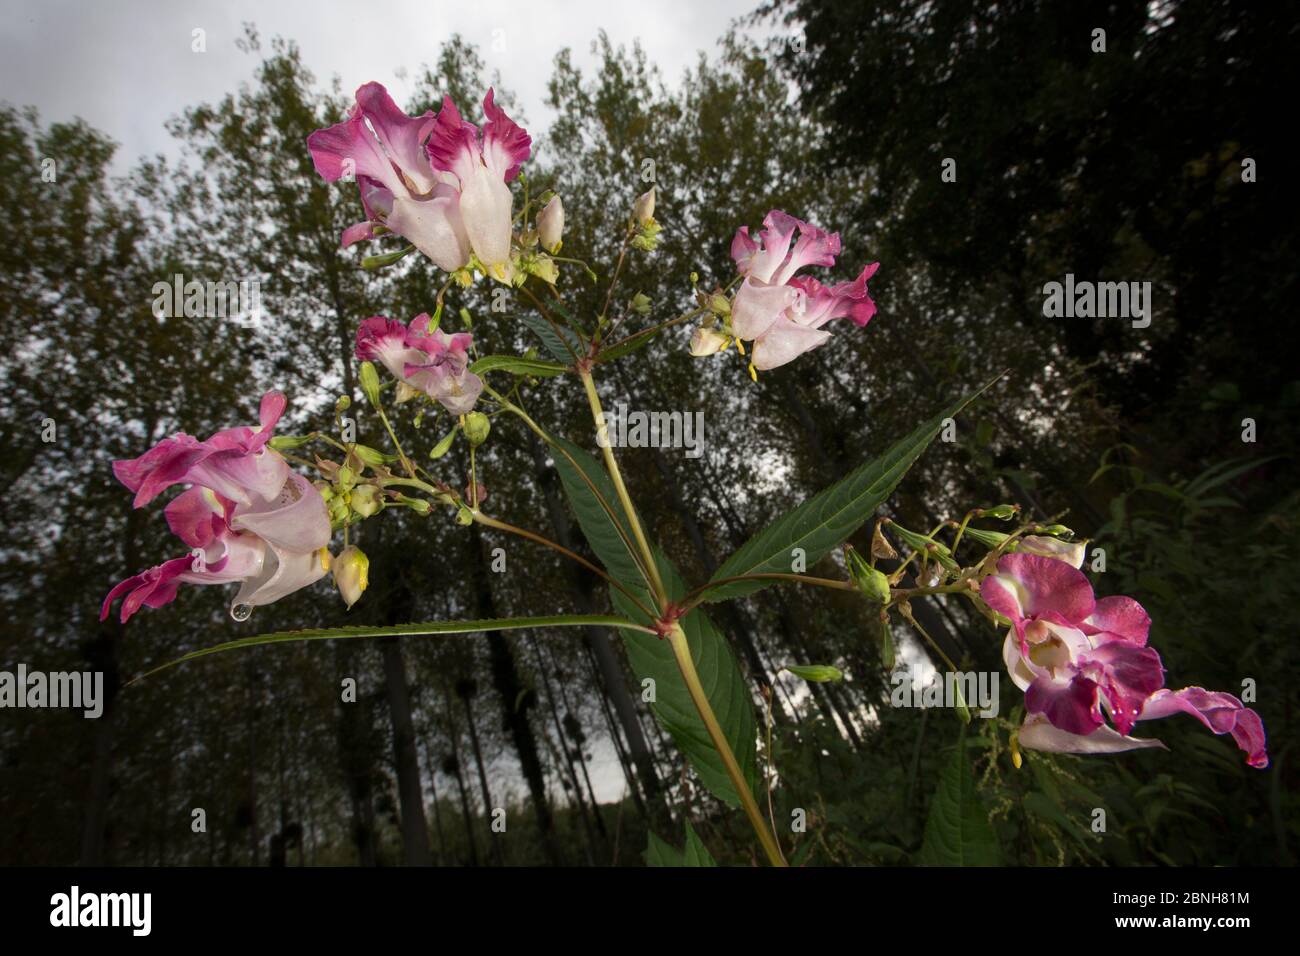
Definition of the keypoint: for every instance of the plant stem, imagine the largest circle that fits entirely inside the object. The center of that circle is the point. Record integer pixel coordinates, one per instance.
(682, 651)
(651, 566)
(696, 596)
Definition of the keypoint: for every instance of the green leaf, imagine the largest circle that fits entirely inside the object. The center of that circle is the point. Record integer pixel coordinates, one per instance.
(555, 340)
(628, 345)
(517, 365)
(653, 658)
(661, 853)
(580, 473)
(399, 630)
(822, 522)
(958, 832)
(697, 854)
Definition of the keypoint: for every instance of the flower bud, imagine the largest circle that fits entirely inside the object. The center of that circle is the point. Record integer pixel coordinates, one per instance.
(872, 583)
(1001, 512)
(351, 573)
(370, 382)
(641, 304)
(550, 225)
(1072, 553)
(405, 393)
(720, 304)
(366, 500)
(444, 445)
(643, 210)
(372, 456)
(706, 342)
(284, 442)
(345, 478)
(541, 266)
(477, 426)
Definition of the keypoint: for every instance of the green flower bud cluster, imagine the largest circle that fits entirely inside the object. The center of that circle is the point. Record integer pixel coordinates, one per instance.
(349, 499)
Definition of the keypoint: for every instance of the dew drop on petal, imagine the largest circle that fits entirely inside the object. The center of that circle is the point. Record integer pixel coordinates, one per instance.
(241, 612)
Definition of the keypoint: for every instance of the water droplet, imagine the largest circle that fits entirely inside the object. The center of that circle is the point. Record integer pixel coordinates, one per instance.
(241, 612)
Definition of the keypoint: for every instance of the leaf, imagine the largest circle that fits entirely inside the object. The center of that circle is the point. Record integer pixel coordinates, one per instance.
(661, 853)
(551, 338)
(822, 522)
(653, 657)
(630, 344)
(517, 365)
(958, 832)
(578, 476)
(398, 630)
(697, 854)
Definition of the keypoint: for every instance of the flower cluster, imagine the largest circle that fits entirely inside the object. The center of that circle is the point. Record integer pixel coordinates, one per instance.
(780, 312)
(437, 181)
(1080, 660)
(246, 517)
(423, 360)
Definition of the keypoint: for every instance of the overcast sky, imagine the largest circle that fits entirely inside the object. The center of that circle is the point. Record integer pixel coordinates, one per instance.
(125, 66)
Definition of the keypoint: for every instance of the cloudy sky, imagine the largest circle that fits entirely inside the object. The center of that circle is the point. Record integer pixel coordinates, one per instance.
(125, 66)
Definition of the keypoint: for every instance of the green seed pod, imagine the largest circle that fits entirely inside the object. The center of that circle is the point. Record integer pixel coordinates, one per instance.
(816, 673)
(477, 426)
(443, 446)
(873, 584)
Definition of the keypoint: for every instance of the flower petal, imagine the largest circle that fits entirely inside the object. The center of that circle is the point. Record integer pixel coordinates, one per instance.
(785, 341)
(1037, 733)
(1221, 712)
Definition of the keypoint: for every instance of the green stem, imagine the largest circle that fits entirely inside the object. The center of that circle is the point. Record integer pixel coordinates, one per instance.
(598, 415)
(696, 596)
(682, 651)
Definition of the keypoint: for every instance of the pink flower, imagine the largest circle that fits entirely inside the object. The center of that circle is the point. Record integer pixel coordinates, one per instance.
(482, 166)
(1080, 660)
(246, 518)
(427, 178)
(781, 312)
(432, 362)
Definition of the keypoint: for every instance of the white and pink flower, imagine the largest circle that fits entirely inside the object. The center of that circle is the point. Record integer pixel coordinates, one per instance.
(429, 361)
(781, 312)
(1081, 660)
(434, 180)
(246, 517)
